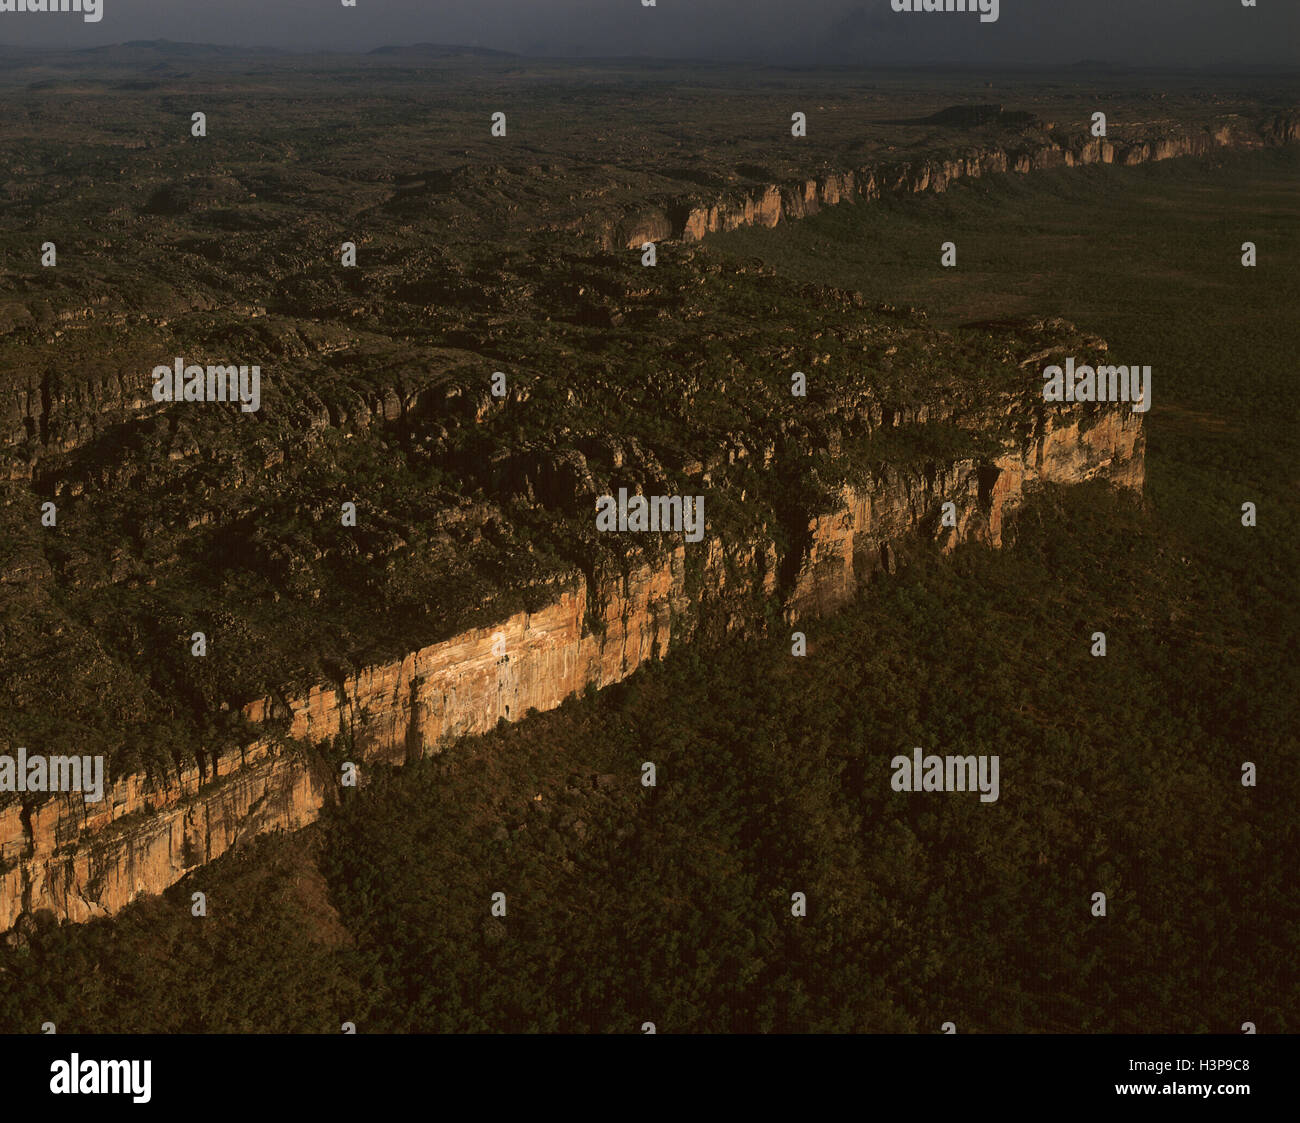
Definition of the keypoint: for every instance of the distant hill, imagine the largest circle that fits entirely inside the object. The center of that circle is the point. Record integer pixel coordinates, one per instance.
(442, 50)
(185, 50)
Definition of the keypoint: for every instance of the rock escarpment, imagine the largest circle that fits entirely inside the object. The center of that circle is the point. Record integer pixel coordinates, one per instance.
(473, 509)
(84, 860)
(690, 217)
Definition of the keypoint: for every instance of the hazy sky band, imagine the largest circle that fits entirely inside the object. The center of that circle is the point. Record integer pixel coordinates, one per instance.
(1027, 32)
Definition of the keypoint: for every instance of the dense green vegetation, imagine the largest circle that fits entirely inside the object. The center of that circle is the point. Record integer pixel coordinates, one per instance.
(672, 904)
(1150, 259)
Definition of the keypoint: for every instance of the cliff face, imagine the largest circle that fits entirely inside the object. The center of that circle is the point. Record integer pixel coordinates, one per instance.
(86, 860)
(876, 526)
(690, 219)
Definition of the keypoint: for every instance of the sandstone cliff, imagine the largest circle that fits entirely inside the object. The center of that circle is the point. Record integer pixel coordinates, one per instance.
(690, 218)
(85, 860)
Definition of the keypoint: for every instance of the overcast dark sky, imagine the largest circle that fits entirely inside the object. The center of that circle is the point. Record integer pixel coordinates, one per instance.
(1156, 32)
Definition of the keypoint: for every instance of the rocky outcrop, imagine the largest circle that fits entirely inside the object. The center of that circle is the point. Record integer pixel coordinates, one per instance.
(690, 218)
(874, 528)
(85, 860)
